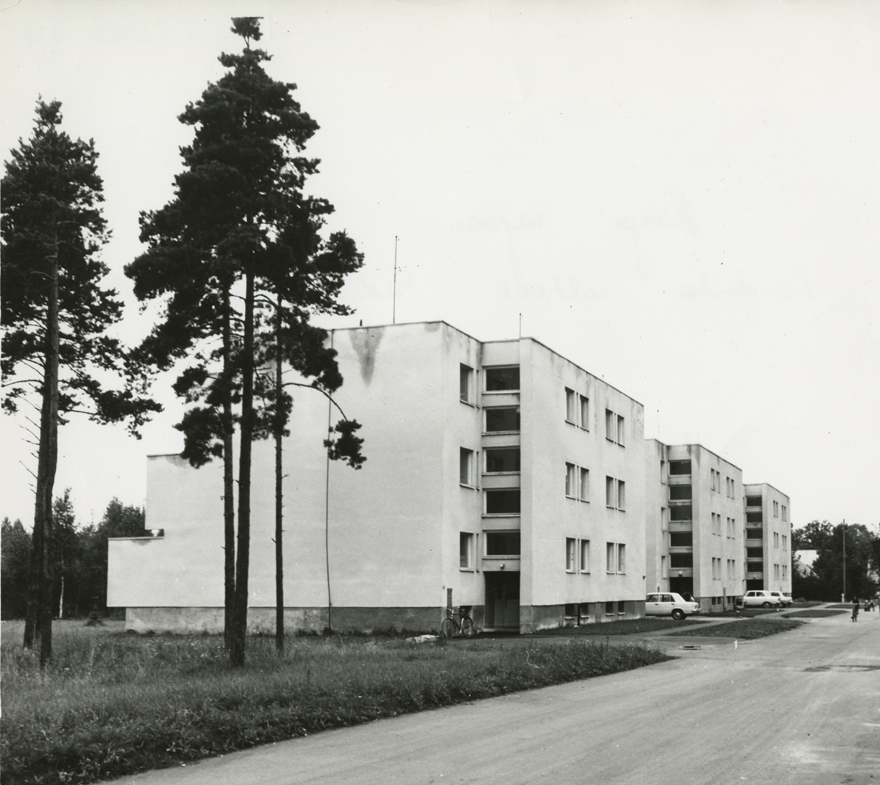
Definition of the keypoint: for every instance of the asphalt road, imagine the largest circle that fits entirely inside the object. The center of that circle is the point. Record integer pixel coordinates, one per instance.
(801, 707)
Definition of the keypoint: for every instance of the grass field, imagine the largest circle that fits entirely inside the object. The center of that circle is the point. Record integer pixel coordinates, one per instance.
(113, 704)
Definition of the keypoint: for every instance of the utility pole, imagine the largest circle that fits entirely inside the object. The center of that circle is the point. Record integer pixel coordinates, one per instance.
(843, 595)
(394, 293)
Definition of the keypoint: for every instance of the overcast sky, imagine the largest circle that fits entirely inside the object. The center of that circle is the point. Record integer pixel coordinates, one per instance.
(682, 198)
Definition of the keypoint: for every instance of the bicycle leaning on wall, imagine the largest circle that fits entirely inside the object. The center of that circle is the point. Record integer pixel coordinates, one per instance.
(452, 627)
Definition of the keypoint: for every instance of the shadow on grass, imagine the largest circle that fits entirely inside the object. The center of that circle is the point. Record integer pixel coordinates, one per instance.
(746, 629)
(624, 627)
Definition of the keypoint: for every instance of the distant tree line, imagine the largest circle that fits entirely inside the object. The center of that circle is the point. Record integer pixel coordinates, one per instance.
(824, 579)
(79, 552)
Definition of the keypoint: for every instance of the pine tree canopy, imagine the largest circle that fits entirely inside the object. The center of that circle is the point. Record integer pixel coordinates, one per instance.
(51, 213)
(239, 215)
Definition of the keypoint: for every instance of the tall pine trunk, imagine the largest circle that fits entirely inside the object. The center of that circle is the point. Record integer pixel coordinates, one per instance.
(228, 481)
(46, 467)
(279, 492)
(239, 633)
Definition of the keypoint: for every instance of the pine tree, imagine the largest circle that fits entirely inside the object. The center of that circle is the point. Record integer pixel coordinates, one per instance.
(238, 256)
(55, 315)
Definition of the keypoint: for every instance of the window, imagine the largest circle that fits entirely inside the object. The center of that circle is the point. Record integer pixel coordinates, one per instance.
(615, 557)
(584, 421)
(615, 427)
(502, 379)
(570, 554)
(502, 543)
(466, 467)
(713, 479)
(680, 492)
(502, 460)
(754, 517)
(684, 512)
(609, 608)
(585, 555)
(615, 493)
(570, 480)
(466, 383)
(753, 501)
(784, 543)
(679, 467)
(784, 513)
(621, 607)
(570, 406)
(466, 550)
(502, 501)
(502, 419)
(585, 485)
(681, 539)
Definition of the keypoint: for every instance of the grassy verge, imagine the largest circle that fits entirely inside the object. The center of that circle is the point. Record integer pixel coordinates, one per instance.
(744, 629)
(814, 613)
(113, 704)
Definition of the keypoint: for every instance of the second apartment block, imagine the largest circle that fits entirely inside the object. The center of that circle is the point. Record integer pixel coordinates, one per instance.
(694, 526)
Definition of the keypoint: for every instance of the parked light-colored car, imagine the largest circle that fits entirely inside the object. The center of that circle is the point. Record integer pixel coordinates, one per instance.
(784, 600)
(667, 603)
(760, 598)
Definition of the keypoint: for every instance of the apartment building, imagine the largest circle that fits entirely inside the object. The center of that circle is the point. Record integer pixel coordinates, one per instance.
(499, 475)
(768, 538)
(694, 524)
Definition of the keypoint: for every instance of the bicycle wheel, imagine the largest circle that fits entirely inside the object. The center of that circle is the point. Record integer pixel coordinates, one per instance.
(448, 628)
(467, 627)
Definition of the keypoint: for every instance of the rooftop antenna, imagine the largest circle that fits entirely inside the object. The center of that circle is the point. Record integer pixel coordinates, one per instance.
(394, 295)
(520, 325)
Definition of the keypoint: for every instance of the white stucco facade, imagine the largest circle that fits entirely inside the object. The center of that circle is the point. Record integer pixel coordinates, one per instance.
(499, 475)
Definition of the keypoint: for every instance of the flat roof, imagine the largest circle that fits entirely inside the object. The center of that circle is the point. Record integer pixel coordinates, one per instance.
(502, 340)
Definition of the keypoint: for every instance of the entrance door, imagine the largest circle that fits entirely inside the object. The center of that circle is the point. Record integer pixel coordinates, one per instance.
(502, 599)
(681, 585)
